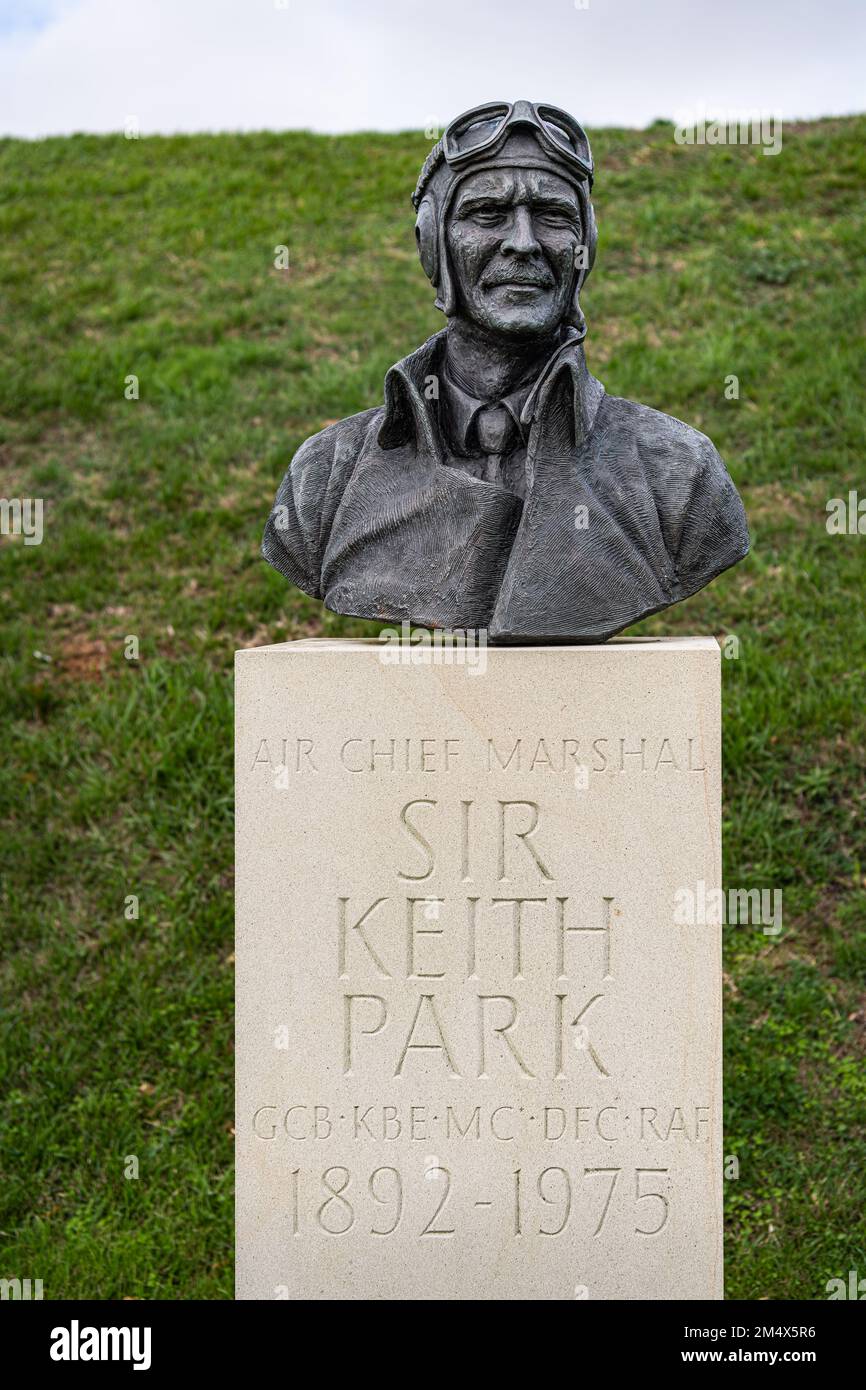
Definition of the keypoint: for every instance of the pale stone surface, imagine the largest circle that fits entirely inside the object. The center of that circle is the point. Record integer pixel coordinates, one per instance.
(442, 1094)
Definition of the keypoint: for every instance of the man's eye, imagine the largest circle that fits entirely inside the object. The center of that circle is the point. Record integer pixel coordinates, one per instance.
(487, 217)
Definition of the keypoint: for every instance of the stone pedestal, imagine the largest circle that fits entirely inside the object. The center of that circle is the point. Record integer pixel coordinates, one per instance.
(478, 1013)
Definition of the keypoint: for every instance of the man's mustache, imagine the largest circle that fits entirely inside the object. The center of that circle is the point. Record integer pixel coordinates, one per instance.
(517, 273)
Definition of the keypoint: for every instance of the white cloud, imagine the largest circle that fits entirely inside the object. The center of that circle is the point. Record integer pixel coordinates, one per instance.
(337, 65)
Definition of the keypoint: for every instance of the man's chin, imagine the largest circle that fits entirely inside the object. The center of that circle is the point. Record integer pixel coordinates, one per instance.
(520, 311)
(521, 322)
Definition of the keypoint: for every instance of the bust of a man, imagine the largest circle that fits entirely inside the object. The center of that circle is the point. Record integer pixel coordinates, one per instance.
(499, 486)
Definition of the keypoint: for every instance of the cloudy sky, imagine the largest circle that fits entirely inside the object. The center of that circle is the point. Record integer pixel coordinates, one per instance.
(337, 65)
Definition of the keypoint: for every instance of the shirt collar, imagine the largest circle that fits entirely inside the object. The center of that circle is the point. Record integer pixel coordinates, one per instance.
(414, 382)
(461, 409)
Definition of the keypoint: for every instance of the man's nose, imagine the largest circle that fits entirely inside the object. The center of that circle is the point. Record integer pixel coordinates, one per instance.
(521, 237)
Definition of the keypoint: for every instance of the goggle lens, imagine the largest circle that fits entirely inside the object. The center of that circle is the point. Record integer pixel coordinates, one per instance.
(477, 134)
(570, 137)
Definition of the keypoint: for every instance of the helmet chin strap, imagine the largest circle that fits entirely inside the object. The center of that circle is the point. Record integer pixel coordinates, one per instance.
(577, 320)
(590, 237)
(446, 297)
(575, 316)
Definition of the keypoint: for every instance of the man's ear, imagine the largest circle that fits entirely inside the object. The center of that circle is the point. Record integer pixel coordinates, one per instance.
(426, 238)
(433, 253)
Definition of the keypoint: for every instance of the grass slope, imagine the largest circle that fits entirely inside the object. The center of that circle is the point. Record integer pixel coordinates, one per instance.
(156, 258)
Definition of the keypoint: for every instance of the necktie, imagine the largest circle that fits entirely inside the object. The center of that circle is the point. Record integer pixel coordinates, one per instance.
(495, 431)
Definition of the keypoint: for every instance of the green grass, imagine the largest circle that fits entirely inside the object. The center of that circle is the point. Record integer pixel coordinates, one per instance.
(156, 258)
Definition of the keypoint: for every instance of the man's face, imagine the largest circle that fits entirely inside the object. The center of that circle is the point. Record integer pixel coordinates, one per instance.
(512, 235)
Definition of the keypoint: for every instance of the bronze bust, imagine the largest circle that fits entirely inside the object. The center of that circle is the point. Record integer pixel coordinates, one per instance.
(499, 486)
